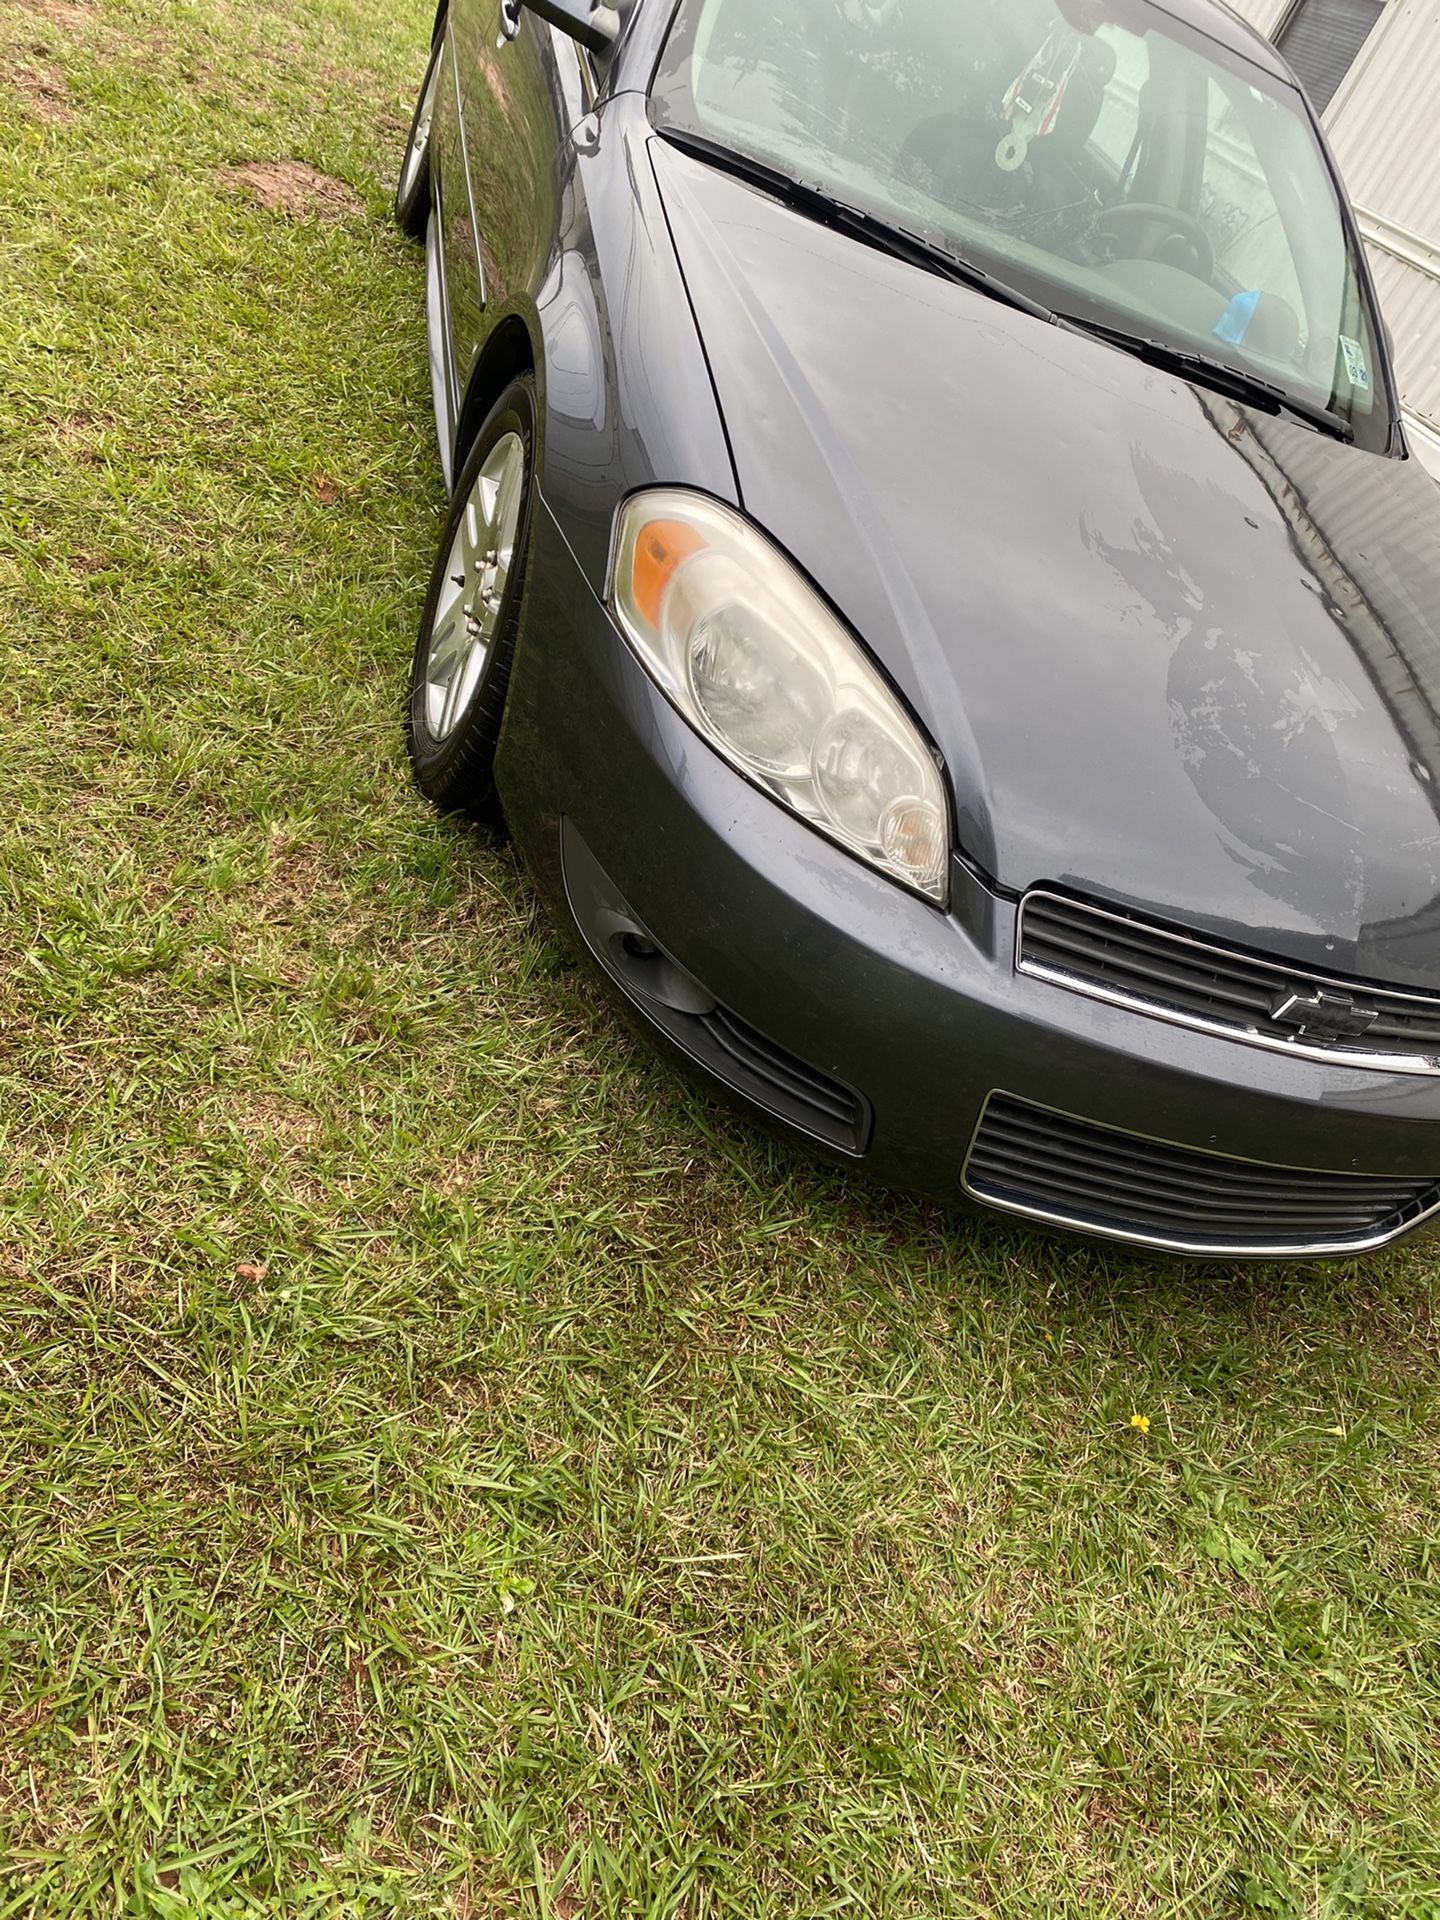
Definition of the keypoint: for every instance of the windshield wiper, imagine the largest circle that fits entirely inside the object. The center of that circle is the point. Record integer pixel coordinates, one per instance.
(902, 243)
(819, 204)
(1219, 375)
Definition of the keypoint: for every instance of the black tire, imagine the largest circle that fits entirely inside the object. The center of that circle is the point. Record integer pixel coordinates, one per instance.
(412, 190)
(453, 724)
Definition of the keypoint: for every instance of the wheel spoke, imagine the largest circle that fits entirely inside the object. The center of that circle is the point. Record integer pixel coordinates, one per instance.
(450, 640)
(473, 542)
(510, 494)
(448, 643)
(457, 694)
(507, 515)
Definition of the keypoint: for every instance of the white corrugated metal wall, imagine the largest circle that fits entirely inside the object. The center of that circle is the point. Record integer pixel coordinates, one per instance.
(1264, 14)
(1381, 124)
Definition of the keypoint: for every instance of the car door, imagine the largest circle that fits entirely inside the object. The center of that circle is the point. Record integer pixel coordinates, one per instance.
(520, 88)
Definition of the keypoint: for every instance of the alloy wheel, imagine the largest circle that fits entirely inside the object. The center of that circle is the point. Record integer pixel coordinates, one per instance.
(476, 575)
(418, 152)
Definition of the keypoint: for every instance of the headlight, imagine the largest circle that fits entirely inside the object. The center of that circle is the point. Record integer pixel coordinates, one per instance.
(758, 664)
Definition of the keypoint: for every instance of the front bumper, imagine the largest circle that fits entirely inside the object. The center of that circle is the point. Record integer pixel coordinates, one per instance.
(921, 1012)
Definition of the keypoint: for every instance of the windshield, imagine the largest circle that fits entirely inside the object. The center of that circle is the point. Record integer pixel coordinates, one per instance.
(1098, 154)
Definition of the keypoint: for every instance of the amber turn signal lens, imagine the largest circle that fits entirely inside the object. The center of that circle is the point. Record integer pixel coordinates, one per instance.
(660, 547)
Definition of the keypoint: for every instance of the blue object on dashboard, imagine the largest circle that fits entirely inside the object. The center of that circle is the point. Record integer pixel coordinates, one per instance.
(1235, 321)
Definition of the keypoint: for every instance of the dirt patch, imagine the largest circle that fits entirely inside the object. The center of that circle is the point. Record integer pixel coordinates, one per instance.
(299, 191)
(272, 1121)
(40, 88)
(77, 436)
(64, 13)
(35, 35)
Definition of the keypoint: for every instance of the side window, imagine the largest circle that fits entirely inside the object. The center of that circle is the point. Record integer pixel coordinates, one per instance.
(1119, 120)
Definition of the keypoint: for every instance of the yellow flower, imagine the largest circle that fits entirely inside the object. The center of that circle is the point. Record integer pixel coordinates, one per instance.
(1140, 1420)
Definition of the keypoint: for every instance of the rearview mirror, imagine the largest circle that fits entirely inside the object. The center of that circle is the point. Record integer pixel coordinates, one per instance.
(595, 27)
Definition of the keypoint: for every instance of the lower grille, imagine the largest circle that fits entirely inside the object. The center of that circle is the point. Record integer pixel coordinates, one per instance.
(1070, 1172)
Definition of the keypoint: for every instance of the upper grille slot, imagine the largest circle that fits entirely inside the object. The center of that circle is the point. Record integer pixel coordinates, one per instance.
(1114, 956)
(1072, 1172)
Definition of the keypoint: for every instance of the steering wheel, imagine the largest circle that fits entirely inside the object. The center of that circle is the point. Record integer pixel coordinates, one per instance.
(1140, 214)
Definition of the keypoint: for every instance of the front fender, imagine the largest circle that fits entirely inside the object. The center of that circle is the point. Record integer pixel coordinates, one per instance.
(627, 397)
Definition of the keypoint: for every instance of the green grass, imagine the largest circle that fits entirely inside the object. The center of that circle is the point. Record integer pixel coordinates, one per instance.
(445, 1469)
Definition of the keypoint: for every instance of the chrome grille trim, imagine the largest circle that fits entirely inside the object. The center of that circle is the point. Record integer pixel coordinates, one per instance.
(1169, 1167)
(1396, 1004)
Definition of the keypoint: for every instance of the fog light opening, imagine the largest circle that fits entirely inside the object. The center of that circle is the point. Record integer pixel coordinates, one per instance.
(645, 967)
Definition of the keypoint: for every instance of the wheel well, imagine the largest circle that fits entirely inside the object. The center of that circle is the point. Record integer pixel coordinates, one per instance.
(506, 355)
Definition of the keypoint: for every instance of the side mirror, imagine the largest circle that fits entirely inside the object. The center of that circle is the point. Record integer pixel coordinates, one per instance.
(595, 27)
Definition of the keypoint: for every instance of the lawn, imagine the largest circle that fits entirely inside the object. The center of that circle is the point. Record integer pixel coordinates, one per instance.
(444, 1467)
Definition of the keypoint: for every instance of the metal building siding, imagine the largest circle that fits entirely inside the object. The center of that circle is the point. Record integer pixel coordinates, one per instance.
(1382, 123)
(1382, 127)
(1410, 302)
(1322, 41)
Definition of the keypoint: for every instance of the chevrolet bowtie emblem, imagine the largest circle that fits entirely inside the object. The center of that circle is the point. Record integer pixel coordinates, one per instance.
(1323, 1013)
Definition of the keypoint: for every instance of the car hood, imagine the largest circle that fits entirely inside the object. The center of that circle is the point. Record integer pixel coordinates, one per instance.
(1176, 654)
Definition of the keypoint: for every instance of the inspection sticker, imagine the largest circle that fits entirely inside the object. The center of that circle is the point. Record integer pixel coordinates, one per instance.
(1357, 370)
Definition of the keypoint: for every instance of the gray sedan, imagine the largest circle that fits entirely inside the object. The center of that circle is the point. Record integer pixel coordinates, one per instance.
(936, 587)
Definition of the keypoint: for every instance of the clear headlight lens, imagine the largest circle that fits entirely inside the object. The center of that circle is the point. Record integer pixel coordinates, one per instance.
(758, 664)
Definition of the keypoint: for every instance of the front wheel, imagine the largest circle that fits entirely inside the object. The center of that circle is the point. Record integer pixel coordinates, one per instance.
(412, 192)
(466, 643)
